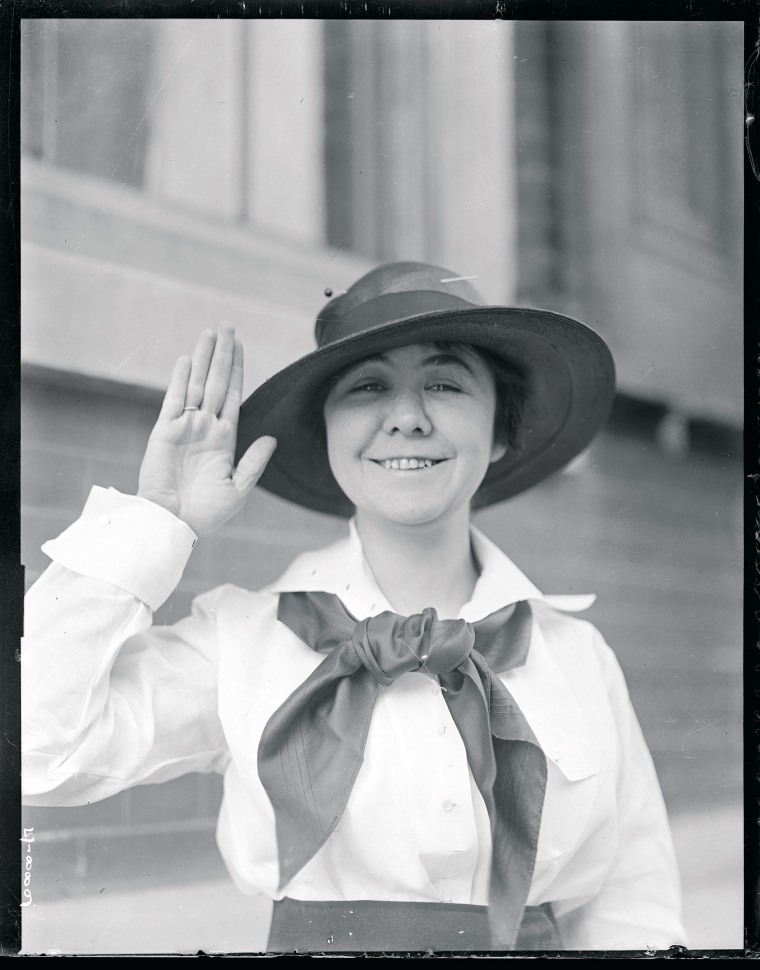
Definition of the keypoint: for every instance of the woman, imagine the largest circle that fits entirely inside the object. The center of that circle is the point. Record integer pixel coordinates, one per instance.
(420, 750)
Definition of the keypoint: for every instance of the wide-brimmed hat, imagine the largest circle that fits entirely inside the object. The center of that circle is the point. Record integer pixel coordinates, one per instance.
(568, 371)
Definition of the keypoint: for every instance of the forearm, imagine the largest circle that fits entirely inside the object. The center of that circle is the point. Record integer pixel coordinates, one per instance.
(74, 628)
(94, 673)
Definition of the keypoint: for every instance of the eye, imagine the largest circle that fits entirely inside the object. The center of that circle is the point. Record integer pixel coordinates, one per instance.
(444, 386)
(367, 386)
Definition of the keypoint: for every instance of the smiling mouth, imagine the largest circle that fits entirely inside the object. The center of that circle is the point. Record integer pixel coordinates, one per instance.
(408, 464)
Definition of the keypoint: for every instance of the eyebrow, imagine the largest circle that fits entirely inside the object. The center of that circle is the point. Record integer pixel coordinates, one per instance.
(448, 359)
(438, 359)
(351, 369)
(372, 359)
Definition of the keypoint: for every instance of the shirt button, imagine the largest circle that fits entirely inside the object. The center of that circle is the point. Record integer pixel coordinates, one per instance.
(442, 729)
(104, 520)
(448, 805)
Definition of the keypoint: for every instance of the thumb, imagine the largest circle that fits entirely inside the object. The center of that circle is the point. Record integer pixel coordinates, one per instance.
(252, 464)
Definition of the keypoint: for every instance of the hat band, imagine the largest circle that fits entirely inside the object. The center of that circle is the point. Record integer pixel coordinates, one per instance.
(389, 308)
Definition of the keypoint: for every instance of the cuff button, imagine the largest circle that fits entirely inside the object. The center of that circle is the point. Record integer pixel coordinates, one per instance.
(104, 520)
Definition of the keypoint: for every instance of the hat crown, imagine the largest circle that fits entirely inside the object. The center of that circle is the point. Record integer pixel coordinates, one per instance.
(393, 290)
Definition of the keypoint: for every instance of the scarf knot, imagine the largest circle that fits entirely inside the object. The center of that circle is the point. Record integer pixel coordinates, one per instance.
(389, 645)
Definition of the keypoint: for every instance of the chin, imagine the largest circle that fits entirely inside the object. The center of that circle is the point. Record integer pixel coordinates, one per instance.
(416, 514)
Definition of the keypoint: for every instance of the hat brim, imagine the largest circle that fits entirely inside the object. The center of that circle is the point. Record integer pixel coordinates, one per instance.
(570, 378)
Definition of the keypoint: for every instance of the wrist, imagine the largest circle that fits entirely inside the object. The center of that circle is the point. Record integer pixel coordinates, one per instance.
(199, 523)
(165, 500)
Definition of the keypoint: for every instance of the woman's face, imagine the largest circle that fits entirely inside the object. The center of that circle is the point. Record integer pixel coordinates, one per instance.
(410, 432)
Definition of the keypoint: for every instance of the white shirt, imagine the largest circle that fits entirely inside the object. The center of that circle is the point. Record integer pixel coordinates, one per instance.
(110, 701)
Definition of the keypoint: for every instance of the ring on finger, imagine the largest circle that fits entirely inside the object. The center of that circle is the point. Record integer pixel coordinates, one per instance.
(191, 407)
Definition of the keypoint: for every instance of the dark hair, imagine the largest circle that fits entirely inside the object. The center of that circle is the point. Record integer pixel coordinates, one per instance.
(509, 381)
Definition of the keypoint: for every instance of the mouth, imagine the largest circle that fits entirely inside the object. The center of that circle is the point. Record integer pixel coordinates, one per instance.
(407, 464)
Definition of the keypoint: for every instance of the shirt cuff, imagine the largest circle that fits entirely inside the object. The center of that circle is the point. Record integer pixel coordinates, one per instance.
(126, 541)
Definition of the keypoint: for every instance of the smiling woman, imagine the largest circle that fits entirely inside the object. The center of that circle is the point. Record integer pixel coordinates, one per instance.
(421, 751)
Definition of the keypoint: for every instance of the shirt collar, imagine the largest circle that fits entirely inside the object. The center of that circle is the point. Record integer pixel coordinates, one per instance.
(342, 569)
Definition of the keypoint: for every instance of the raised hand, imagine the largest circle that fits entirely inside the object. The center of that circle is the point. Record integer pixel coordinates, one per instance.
(188, 465)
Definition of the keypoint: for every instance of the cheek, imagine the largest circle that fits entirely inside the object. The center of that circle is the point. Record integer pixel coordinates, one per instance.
(475, 428)
(335, 443)
(347, 433)
(334, 422)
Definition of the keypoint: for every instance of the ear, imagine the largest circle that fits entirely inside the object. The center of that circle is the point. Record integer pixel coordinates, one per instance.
(498, 451)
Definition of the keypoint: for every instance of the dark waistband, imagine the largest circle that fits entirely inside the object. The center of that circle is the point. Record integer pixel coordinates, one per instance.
(305, 926)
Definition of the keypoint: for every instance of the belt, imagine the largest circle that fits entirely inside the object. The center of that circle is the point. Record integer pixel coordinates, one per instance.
(305, 926)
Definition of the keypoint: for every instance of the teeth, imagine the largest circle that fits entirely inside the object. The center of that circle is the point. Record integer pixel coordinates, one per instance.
(408, 464)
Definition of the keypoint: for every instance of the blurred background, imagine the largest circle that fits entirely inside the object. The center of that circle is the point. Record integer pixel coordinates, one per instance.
(175, 173)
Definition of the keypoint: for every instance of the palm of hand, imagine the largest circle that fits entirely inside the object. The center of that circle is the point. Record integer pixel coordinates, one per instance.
(189, 462)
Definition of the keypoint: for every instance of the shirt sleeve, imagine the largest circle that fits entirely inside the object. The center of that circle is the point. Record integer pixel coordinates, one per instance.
(639, 904)
(108, 700)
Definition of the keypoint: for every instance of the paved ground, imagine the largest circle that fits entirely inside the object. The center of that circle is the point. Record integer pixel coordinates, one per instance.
(214, 917)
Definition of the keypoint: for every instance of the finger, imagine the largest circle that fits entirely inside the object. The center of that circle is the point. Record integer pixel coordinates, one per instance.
(218, 378)
(252, 464)
(201, 361)
(231, 406)
(174, 399)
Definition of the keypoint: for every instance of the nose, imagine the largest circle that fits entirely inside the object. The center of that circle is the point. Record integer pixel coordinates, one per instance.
(406, 415)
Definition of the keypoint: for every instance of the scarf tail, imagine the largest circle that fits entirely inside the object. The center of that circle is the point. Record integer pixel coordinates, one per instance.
(308, 781)
(519, 794)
